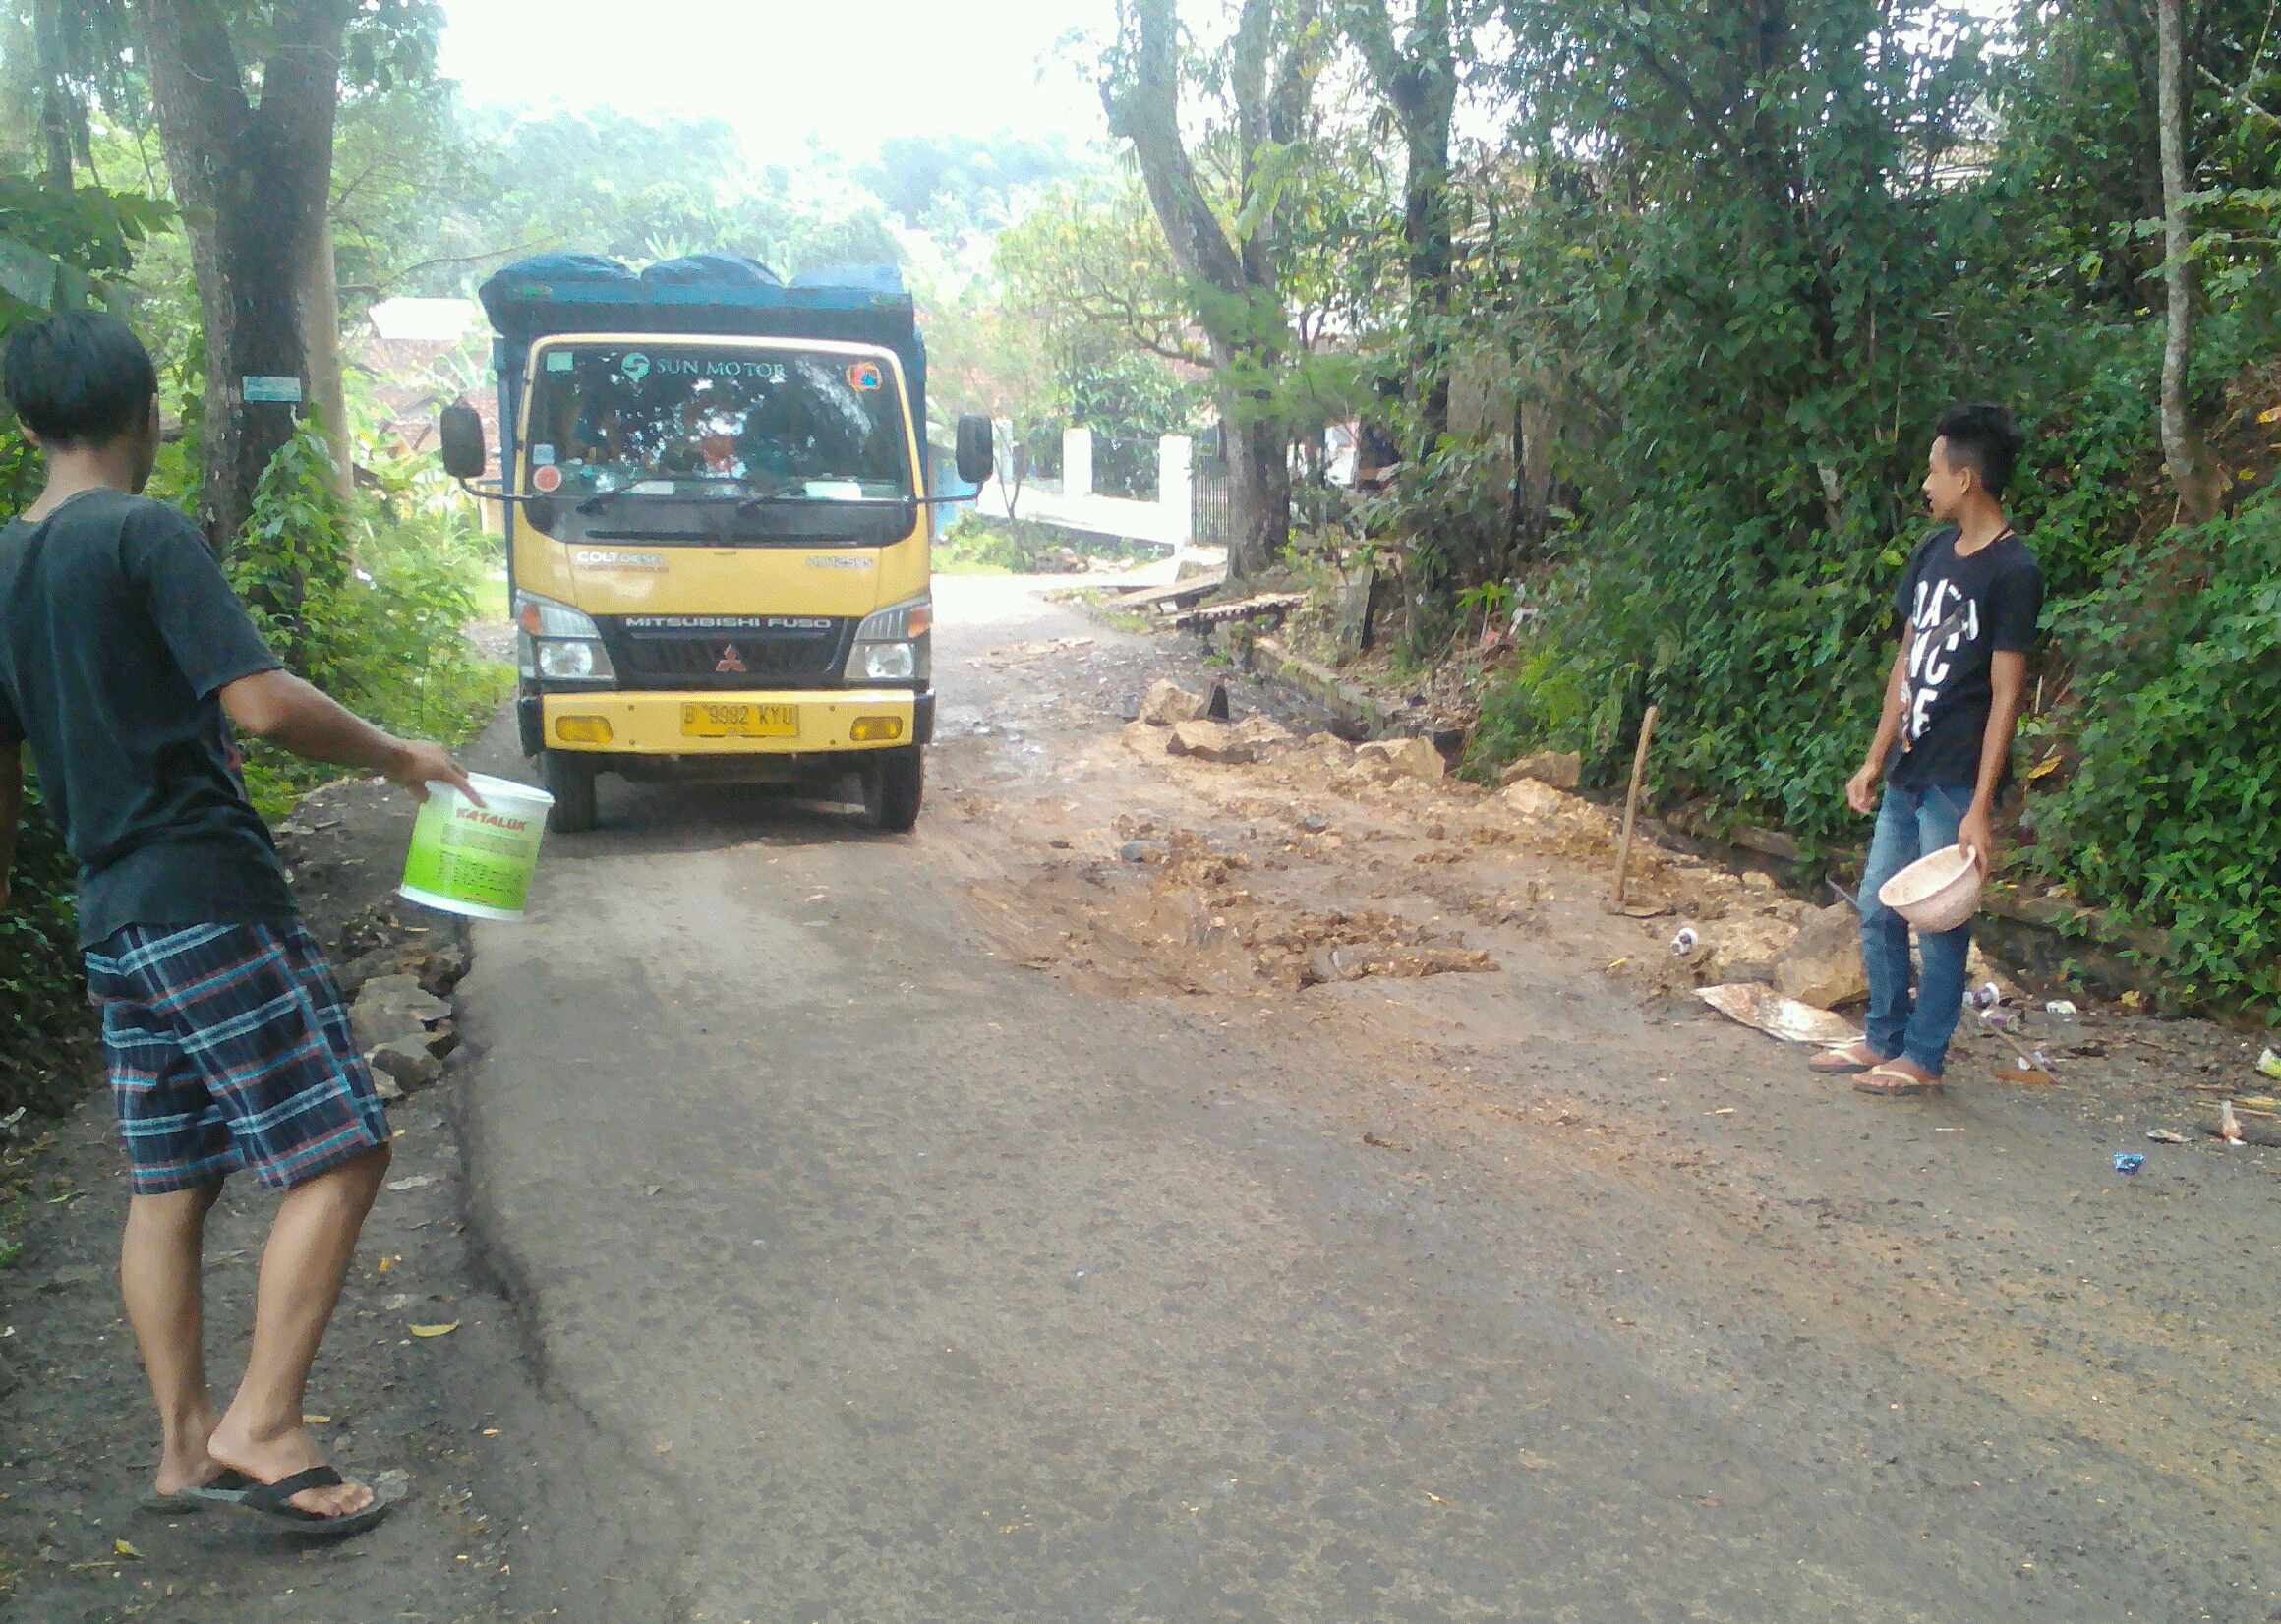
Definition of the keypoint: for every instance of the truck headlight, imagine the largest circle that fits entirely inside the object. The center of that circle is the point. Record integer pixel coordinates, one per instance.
(559, 643)
(567, 661)
(894, 645)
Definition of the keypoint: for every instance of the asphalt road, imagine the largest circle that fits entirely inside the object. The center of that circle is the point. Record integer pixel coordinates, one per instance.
(912, 1279)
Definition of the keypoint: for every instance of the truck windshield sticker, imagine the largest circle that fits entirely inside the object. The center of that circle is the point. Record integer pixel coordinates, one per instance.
(541, 455)
(786, 427)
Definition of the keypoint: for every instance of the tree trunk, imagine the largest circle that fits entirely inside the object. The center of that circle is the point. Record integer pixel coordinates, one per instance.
(1236, 284)
(1258, 496)
(57, 118)
(319, 307)
(1420, 85)
(252, 181)
(2189, 460)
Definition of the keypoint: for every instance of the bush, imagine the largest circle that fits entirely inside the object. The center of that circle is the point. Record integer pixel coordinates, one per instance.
(369, 601)
(2174, 814)
(45, 1029)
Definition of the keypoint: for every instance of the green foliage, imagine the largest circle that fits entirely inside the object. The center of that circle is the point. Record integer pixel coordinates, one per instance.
(369, 601)
(64, 249)
(291, 562)
(44, 1026)
(1085, 282)
(2174, 811)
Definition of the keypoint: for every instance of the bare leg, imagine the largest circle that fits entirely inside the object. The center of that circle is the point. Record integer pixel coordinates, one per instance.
(160, 1261)
(302, 1268)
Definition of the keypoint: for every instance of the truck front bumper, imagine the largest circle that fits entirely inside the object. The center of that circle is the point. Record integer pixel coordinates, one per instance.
(665, 724)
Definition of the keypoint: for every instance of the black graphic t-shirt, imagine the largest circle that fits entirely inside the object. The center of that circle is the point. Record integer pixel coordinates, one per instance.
(1958, 613)
(117, 631)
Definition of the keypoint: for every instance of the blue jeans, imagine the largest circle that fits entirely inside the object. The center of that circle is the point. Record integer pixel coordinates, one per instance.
(1912, 821)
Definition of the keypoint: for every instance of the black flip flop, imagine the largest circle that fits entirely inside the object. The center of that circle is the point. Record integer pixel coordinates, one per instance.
(272, 1504)
(228, 1486)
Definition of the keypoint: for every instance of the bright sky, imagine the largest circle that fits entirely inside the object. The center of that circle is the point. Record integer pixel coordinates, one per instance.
(845, 72)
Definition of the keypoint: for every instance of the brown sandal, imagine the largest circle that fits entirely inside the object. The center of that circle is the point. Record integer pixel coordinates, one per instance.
(1841, 1062)
(1889, 1084)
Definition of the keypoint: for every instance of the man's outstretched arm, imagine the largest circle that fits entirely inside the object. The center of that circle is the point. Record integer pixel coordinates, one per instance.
(280, 709)
(11, 811)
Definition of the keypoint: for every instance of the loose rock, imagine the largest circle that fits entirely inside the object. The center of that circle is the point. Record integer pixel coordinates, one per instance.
(1168, 703)
(1747, 950)
(391, 1006)
(1822, 965)
(1264, 733)
(1213, 741)
(1403, 757)
(1562, 769)
(407, 1061)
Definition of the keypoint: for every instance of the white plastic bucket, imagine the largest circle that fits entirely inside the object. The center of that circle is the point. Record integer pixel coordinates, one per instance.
(476, 860)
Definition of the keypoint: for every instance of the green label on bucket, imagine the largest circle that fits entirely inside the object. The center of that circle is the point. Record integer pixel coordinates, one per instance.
(467, 854)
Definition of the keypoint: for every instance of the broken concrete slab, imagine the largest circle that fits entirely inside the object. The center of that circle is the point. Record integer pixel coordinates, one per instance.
(1822, 965)
(1754, 1003)
(1562, 769)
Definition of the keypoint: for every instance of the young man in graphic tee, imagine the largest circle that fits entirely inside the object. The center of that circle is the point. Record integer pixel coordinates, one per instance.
(124, 660)
(1968, 606)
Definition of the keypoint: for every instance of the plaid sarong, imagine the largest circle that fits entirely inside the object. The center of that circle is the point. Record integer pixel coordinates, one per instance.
(229, 1048)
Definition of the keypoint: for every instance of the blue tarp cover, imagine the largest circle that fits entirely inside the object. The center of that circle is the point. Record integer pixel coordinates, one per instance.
(703, 293)
(532, 297)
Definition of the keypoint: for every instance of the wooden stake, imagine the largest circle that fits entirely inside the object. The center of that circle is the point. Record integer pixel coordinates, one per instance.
(1639, 767)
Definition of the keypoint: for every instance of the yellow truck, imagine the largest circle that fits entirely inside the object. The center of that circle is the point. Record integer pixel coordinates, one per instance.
(718, 524)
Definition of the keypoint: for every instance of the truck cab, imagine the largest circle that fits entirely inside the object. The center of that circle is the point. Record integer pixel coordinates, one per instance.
(718, 520)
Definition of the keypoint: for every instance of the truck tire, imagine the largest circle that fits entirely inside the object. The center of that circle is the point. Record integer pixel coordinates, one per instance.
(892, 787)
(570, 781)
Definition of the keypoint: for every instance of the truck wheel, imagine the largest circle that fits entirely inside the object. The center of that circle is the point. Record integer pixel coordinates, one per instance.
(571, 782)
(893, 786)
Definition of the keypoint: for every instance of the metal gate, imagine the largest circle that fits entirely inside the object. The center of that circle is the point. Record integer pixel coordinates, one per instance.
(1211, 514)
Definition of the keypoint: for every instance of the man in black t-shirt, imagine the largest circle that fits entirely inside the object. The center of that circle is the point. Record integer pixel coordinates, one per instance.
(124, 660)
(1966, 607)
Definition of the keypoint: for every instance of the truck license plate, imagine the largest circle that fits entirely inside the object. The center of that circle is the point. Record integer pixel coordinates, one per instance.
(740, 720)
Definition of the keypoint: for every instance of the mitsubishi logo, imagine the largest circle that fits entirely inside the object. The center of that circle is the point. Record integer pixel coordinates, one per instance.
(730, 661)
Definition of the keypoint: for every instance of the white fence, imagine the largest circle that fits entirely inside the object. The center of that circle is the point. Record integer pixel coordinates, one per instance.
(1073, 504)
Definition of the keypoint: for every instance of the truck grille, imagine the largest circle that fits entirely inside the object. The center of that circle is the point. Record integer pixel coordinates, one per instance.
(727, 651)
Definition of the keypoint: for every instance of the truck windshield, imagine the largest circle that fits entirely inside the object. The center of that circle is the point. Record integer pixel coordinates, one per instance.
(693, 419)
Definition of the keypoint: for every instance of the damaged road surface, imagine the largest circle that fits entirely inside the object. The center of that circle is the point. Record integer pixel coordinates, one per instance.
(1273, 1189)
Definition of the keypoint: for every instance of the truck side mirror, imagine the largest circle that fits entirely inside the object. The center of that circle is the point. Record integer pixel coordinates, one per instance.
(977, 448)
(465, 456)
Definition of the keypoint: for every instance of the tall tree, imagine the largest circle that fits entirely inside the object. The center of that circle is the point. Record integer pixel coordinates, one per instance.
(2189, 460)
(250, 160)
(1233, 267)
(1416, 77)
